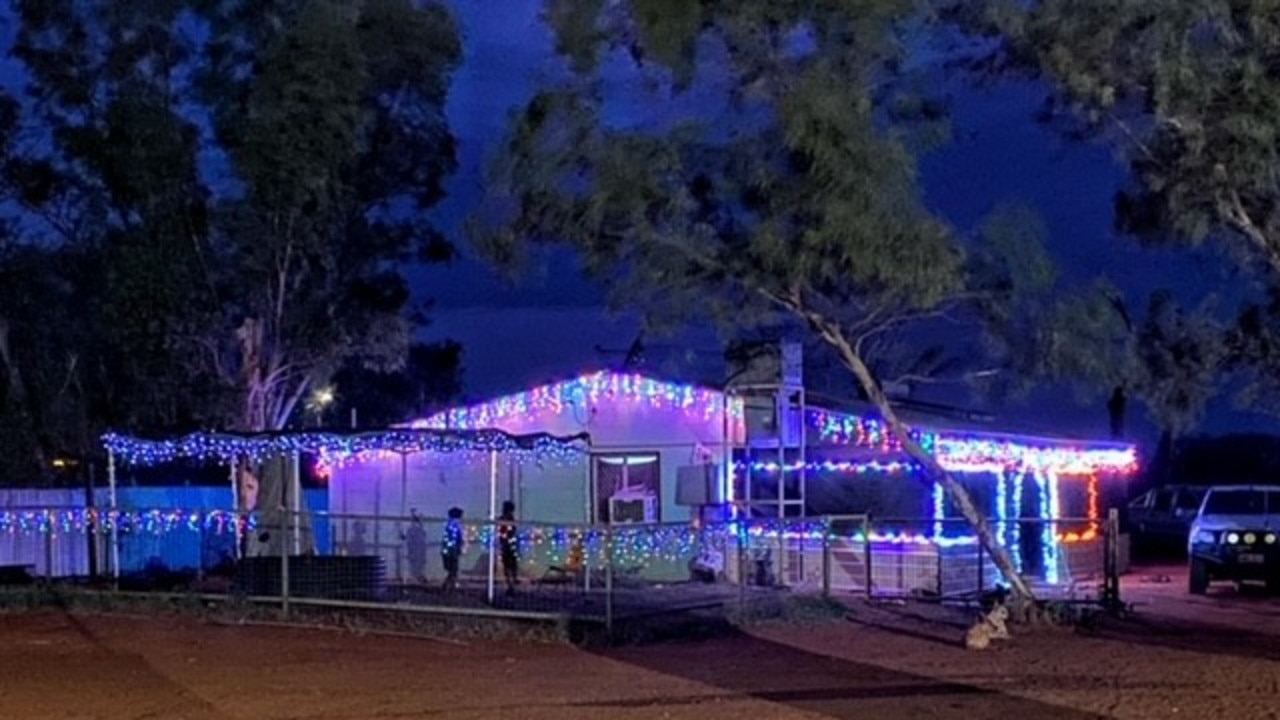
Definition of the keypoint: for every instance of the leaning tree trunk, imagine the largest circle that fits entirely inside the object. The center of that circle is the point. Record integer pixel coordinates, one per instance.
(933, 468)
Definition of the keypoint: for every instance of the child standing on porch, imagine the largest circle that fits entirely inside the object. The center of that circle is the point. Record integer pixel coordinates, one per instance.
(451, 547)
(508, 545)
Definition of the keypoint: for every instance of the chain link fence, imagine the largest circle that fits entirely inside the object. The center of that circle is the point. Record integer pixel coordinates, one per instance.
(528, 569)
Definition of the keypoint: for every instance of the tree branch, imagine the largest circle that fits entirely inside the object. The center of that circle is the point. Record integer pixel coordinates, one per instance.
(1232, 208)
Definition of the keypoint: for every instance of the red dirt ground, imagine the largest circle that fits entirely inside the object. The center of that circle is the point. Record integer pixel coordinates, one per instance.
(888, 663)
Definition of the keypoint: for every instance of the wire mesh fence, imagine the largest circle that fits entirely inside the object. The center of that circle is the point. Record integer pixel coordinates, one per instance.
(529, 568)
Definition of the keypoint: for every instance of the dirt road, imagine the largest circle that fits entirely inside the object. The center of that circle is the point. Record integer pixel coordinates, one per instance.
(889, 664)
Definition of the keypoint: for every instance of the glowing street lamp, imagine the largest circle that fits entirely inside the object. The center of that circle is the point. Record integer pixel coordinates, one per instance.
(320, 400)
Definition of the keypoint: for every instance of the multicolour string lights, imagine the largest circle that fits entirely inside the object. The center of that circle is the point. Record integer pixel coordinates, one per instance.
(582, 393)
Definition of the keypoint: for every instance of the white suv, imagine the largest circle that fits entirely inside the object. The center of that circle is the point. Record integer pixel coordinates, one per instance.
(1236, 537)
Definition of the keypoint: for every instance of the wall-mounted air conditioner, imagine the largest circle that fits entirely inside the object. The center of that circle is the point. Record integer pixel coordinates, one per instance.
(633, 506)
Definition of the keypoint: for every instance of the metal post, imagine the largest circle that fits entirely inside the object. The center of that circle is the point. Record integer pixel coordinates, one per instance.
(284, 583)
(1111, 560)
(235, 507)
(284, 557)
(593, 502)
(48, 545)
(200, 549)
(982, 580)
(91, 520)
(866, 551)
(826, 556)
(295, 488)
(404, 512)
(493, 517)
(608, 581)
(114, 517)
(938, 550)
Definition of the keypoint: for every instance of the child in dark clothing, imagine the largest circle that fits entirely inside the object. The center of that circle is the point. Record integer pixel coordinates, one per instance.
(451, 547)
(509, 546)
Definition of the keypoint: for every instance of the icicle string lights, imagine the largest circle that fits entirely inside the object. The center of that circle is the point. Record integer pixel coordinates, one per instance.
(956, 451)
(227, 447)
(581, 393)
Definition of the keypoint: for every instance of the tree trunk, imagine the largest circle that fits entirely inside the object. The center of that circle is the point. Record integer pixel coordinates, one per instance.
(1116, 407)
(933, 469)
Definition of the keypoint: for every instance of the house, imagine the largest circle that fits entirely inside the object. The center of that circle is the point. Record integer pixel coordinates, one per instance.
(681, 456)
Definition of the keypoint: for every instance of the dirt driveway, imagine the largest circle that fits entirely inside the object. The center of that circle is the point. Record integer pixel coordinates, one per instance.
(885, 663)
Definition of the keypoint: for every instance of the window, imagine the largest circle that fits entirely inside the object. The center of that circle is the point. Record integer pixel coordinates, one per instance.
(1164, 501)
(1236, 502)
(628, 488)
(1190, 499)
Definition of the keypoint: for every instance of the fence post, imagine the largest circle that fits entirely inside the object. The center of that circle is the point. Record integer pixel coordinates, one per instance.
(284, 575)
(200, 549)
(826, 556)
(939, 548)
(866, 550)
(608, 582)
(1111, 560)
(743, 567)
(48, 547)
(982, 580)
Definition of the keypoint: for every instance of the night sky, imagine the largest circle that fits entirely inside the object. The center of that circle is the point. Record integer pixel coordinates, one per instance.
(556, 319)
(551, 323)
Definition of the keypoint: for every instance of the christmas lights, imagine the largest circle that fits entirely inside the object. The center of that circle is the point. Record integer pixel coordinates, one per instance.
(641, 545)
(846, 429)
(582, 393)
(981, 457)
(1045, 483)
(229, 447)
(154, 521)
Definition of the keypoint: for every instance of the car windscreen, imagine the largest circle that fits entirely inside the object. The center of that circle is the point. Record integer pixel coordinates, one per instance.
(1190, 499)
(1238, 502)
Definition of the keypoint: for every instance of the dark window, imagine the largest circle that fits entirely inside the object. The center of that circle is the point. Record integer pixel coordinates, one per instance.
(1164, 501)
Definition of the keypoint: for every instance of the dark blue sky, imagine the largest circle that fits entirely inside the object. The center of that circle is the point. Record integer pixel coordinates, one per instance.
(550, 324)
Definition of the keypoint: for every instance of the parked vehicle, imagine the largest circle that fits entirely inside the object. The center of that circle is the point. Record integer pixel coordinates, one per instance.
(1163, 515)
(1236, 537)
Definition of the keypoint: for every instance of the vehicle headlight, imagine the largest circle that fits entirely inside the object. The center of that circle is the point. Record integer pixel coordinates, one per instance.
(1204, 536)
(1250, 538)
(1269, 538)
(1232, 538)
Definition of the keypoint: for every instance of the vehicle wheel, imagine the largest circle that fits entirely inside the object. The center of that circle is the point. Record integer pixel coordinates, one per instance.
(1199, 577)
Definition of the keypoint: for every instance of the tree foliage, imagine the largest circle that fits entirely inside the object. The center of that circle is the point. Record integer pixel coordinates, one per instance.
(799, 204)
(329, 119)
(1189, 90)
(1170, 359)
(1189, 93)
(230, 190)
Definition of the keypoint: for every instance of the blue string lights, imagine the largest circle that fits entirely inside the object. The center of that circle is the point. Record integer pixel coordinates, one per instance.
(55, 521)
(230, 447)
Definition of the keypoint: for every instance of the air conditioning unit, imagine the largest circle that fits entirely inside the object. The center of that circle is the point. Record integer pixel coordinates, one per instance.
(632, 506)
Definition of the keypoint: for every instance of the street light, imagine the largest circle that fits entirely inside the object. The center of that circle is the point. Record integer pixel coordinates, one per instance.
(320, 400)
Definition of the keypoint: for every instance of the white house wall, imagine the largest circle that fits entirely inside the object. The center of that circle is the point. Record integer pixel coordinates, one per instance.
(373, 502)
(620, 424)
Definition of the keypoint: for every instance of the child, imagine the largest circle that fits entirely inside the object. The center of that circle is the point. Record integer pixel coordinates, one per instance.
(508, 545)
(451, 547)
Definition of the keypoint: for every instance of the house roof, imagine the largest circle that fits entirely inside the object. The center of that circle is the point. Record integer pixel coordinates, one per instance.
(607, 383)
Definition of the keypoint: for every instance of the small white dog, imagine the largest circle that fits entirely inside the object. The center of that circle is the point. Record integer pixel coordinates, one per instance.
(991, 626)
